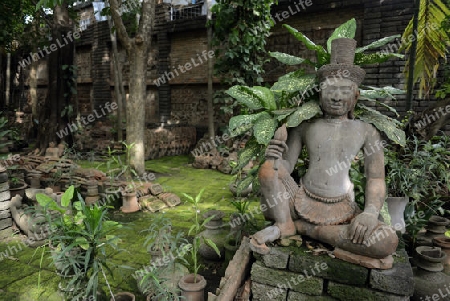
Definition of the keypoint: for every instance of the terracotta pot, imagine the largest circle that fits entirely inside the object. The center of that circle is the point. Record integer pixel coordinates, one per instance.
(430, 258)
(192, 290)
(396, 208)
(444, 243)
(437, 224)
(19, 190)
(130, 202)
(124, 296)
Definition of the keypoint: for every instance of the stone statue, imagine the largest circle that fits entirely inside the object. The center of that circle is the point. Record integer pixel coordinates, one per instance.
(322, 205)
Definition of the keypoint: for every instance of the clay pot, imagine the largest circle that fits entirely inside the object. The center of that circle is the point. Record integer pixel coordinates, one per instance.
(430, 258)
(192, 290)
(396, 208)
(437, 224)
(443, 242)
(243, 193)
(18, 190)
(216, 232)
(129, 202)
(124, 296)
(428, 278)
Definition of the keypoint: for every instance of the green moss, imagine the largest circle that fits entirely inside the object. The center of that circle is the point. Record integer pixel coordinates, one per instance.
(176, 175)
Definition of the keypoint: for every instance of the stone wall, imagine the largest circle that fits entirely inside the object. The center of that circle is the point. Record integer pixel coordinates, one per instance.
(293, 273)
(181, 100)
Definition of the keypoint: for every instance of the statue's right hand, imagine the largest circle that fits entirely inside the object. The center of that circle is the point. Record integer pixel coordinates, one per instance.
(275, 149)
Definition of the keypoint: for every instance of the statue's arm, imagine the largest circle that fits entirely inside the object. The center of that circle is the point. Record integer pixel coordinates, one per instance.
(375, 190)
(294, 143)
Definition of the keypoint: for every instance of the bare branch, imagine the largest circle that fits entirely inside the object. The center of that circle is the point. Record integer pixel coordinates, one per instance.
(120, 27)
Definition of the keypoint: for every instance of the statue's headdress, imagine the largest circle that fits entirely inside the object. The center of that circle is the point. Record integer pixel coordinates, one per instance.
(341, 62)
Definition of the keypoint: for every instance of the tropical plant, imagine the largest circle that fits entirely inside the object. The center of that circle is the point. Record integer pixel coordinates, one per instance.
(195, 230)
(240, 33)
(157, 281)
(294, 98)
(81, 234)
(432, 42)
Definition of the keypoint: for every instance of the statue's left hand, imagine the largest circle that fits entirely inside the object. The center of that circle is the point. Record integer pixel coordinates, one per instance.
(362, 227)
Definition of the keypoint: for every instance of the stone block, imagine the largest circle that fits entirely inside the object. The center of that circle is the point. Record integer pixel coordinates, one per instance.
(4, 205)
(5, 223)
(156, 189)
(295, 296)
(262, 292)
(287, 280)
(335, 269)
(4, 196)
(398, 280)
(171, 199)
(156, 205)
(5, 233)
(277, 258)
(5, 214)
(351, 293)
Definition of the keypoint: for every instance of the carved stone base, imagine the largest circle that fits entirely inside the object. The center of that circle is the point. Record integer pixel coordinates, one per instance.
(368, 262)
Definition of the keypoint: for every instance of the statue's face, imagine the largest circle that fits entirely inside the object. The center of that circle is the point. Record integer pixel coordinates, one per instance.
(338, 97)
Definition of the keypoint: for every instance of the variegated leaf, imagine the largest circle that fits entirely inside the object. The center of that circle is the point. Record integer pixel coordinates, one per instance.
(292, 84)
(305, 112)
(264, 128)
(346, 30)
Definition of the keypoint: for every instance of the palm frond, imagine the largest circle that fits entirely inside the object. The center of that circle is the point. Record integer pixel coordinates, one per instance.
(432, 43)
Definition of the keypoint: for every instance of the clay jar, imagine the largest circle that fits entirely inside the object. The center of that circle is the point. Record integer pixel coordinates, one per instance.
(130, 202)
(192, 290)
(216, 232)
(437, 225)
(428, 278)
(443, 242)
(125, 296)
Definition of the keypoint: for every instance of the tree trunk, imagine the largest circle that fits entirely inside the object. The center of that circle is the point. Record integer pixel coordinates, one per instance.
(136, 108)
(211, 129)
(137, 51)
(58, 95)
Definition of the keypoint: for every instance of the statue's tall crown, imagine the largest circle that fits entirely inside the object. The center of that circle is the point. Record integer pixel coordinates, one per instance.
(341, 62)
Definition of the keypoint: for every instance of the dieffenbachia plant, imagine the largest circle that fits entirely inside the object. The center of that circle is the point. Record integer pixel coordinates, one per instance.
(293, 99)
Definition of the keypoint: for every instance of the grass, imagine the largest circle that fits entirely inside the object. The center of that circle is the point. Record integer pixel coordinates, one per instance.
(19, 277)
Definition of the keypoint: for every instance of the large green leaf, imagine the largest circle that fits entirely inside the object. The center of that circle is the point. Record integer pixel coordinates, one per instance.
(383, 123)
(245, 96)
(264, 128)
(67, 196)
(375, 58)
(287, 58)
(322, 55)
(283, 113)
(294, 74)
(377, 43)
(305, 112)
(240, 124)
(375, 93)
(265, 96)
(346, 30)
(252, 149)
(293, 84)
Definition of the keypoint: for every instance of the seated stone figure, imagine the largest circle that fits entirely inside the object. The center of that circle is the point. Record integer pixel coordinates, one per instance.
(322, 205)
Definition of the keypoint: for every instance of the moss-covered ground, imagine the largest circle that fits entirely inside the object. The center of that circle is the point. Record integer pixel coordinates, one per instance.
(24, 277)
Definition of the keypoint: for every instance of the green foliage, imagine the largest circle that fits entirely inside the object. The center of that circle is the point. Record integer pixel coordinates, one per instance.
(240, 32)
(432, 42)
(293, 99)
(420, 169)
(79, 240)
(195, 230)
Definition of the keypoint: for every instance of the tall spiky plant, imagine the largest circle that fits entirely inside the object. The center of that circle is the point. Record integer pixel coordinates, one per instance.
(432, 43)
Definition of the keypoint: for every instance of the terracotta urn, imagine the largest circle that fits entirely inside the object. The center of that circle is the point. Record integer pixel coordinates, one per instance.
(428, 278)
(443, 242)
(124, 296)
(129, 202)
(192, 287)
(216, 232)
(437, 225)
